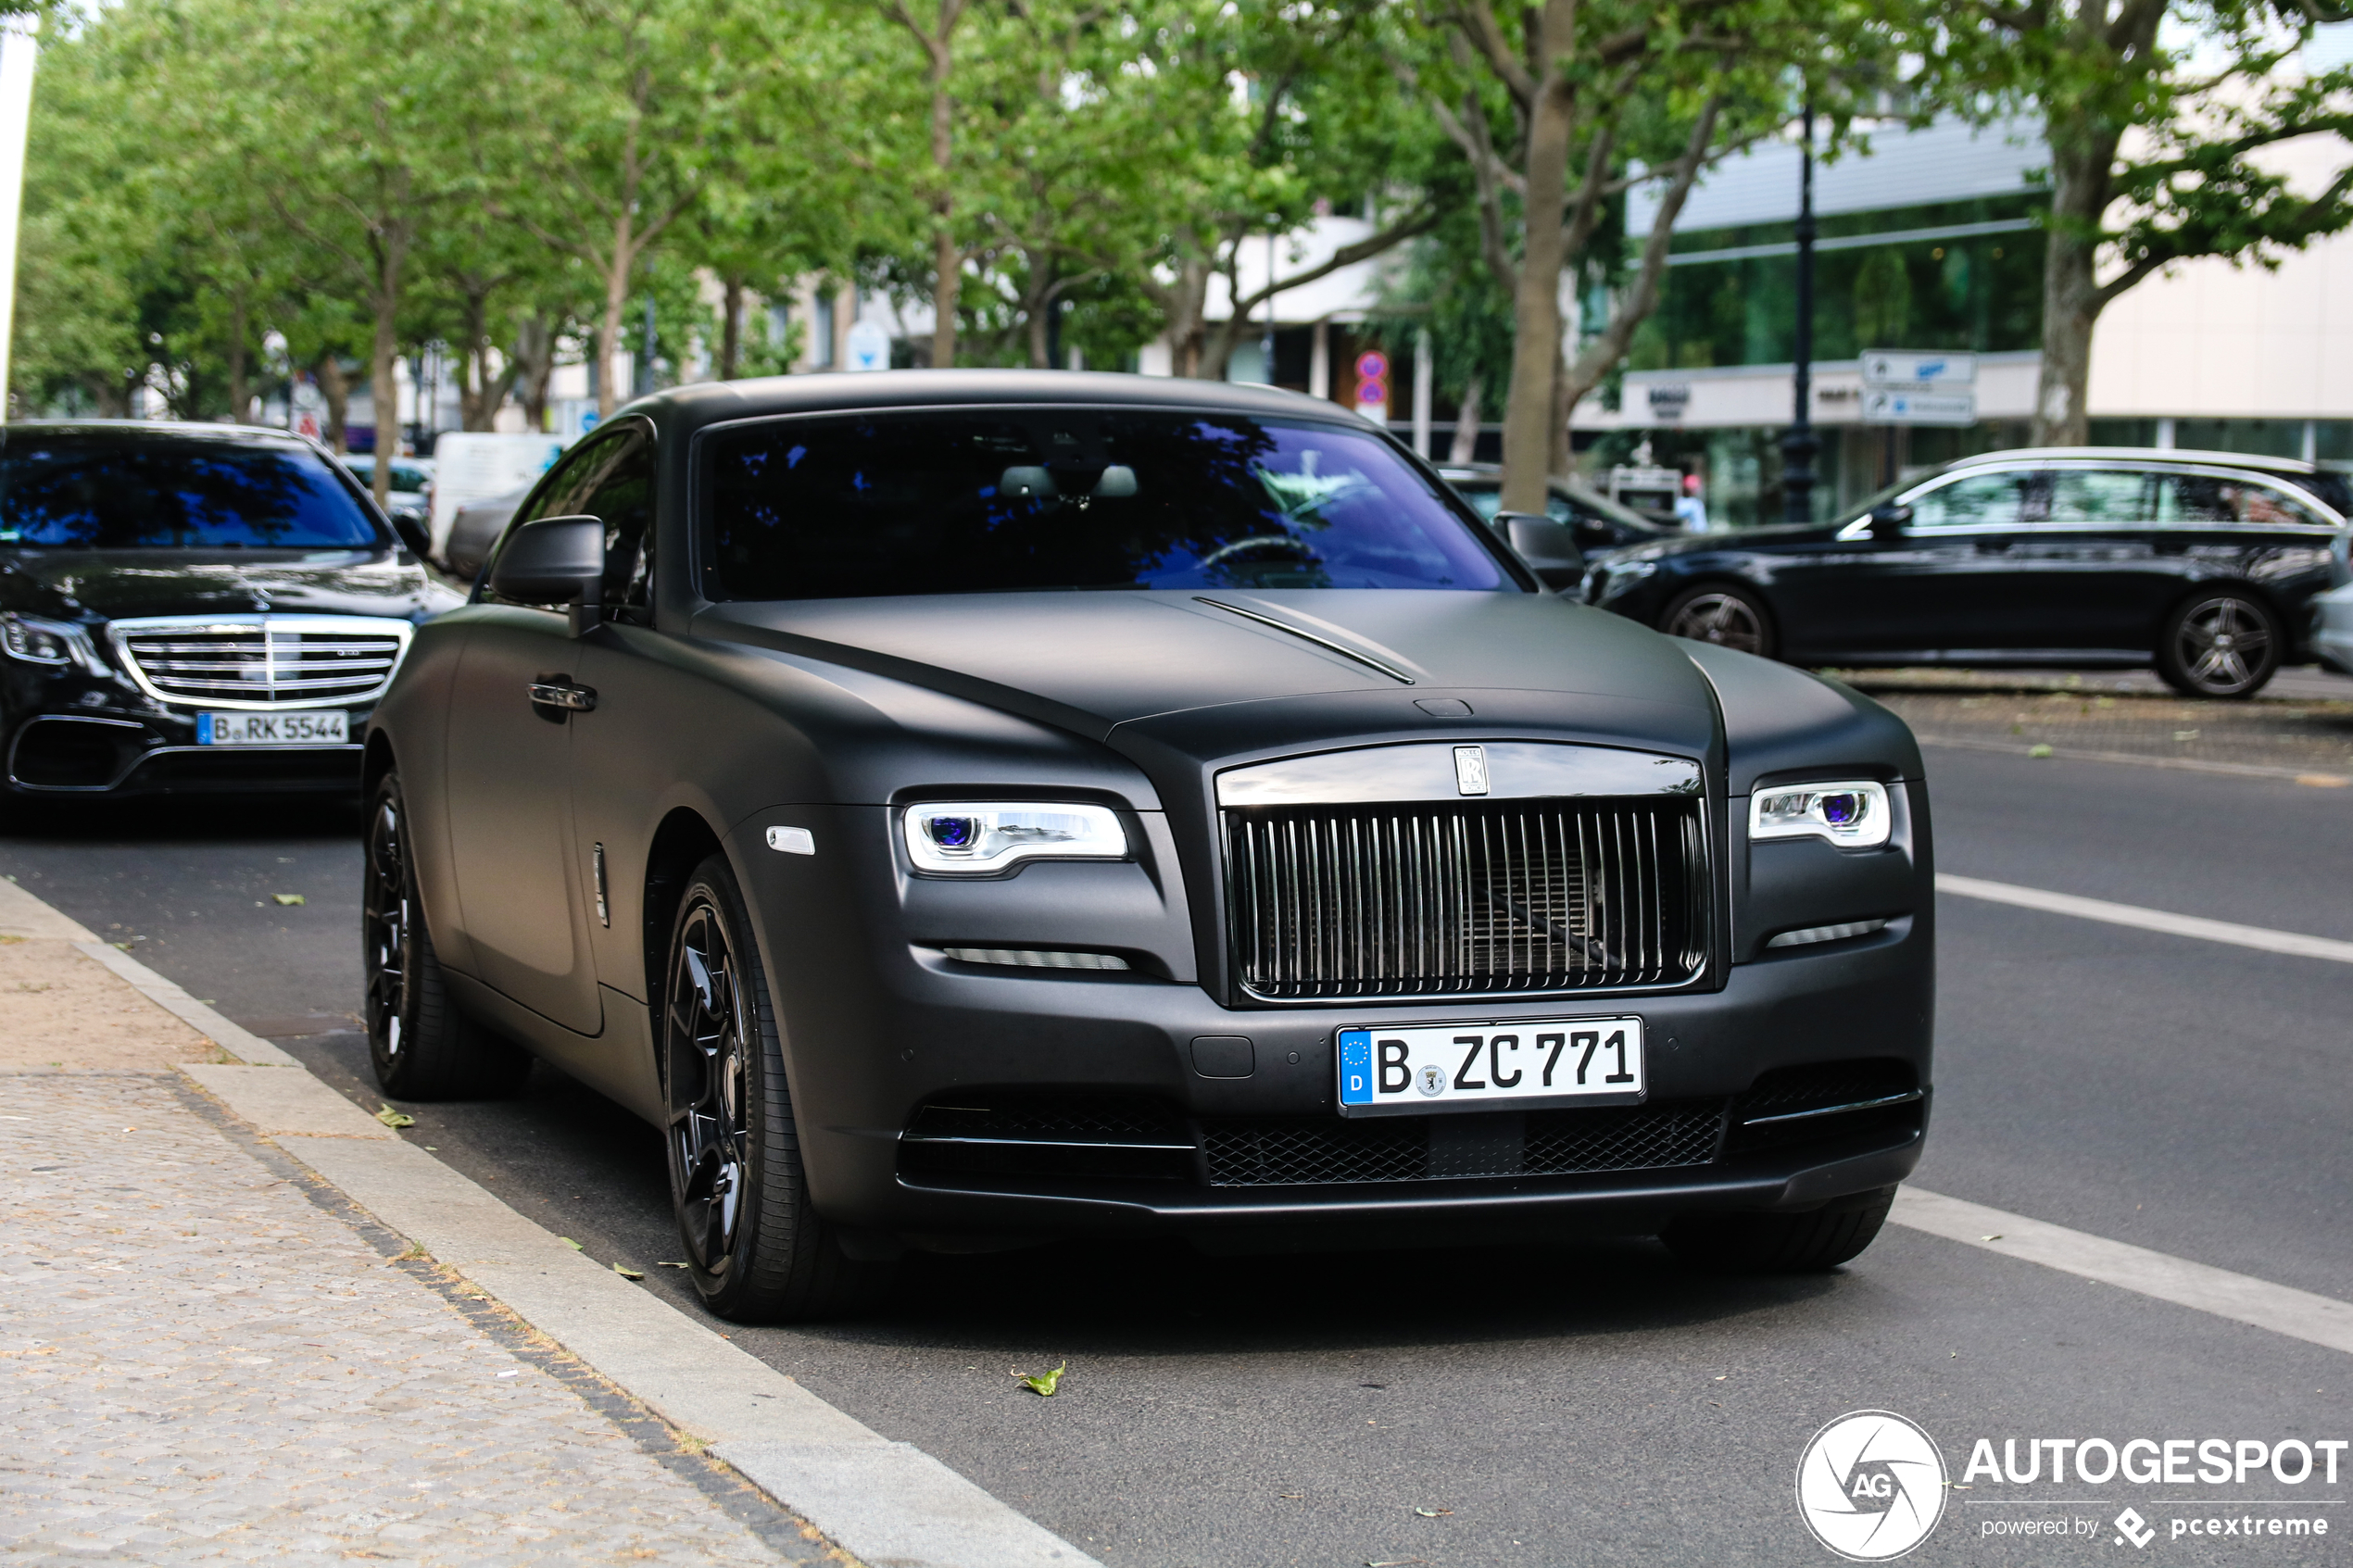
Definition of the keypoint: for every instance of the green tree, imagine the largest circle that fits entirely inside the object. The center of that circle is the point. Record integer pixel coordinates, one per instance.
(2157, 114)
(1563, 108)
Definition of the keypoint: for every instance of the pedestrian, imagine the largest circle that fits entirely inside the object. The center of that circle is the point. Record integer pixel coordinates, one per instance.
(1691, 511)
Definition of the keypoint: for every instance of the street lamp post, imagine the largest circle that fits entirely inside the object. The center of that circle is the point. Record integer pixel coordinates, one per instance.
(1799, 447)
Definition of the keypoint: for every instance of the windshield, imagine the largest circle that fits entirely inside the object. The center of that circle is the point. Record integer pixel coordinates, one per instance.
(1006, 499)
(130, 490)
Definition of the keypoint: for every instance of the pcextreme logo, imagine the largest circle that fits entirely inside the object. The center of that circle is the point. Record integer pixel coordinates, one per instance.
(1870, 1485)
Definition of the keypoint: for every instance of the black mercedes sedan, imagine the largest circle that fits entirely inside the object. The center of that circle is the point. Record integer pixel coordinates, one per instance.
(192, 609)
(962, 809)
(2089, 558)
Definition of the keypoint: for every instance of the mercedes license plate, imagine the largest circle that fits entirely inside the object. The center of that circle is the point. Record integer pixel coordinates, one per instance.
(1471, 1066)
(325, 727)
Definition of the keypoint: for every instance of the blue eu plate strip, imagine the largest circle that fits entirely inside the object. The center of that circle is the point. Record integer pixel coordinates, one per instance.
(1355, 1067)
(204, 729)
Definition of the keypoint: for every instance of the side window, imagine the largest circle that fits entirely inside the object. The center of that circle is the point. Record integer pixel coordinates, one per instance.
(2191, 497)
(2100, 496)
(1975, 501)
(624, 496)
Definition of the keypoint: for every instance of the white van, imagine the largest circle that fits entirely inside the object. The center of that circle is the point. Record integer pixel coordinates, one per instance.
(469, 466)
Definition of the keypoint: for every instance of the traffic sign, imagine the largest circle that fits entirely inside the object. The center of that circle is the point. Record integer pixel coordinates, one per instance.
(869, 346)
(1914, 370)
(1884, 407)
(1372, 365)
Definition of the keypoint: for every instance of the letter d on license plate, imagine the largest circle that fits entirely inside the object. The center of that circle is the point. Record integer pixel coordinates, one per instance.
(1466, 1066)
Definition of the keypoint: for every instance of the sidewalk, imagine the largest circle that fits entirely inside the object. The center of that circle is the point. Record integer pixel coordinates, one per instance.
(243, 1320)
(208, 1355)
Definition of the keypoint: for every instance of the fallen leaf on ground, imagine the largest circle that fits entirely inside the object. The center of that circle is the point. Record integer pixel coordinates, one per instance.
(1045, 1383)
(666, 1264)
(625, 1272)
(288, 898)
(392, 1118)
(573, 1245)
(1995, 1237)
(1433, 1513)
(2038, 751)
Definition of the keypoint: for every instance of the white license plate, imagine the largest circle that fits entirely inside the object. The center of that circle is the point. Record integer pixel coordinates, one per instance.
(1459, 1066)
(326, 727)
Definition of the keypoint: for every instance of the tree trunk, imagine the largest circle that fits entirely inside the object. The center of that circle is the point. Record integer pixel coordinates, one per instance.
(1465, 448)
(1039, 300)
(535, 357)
(2071, 295)
(731, 328)
(609, 342)
(386, 353)
(237, 330)
(336, 387)
(1536, 308)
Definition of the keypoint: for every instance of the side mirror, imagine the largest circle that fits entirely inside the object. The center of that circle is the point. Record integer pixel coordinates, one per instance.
(1548, 548)
(1889, 520)
(557, 560)
(411, 533)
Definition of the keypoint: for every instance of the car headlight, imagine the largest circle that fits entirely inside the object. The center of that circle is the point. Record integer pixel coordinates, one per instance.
(1854, 816)
(36, 641)
(958, 837)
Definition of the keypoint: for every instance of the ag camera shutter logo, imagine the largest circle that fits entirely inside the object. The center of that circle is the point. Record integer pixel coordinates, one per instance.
(1870, 1485)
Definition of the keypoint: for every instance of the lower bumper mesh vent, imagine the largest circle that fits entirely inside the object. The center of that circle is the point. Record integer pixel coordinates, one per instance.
(1309, 1151)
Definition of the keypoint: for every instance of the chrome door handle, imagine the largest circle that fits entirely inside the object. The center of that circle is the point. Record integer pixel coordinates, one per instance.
(551, 693)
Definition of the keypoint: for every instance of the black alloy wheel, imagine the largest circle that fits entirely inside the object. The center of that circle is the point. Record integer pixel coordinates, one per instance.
(1781, 1244)
(2221, 645)
(1724, 615)
(755, 1249)
(421, 1046)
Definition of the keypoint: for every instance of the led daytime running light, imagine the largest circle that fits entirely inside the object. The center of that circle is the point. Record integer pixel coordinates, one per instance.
(1853, 815)
(959, 838)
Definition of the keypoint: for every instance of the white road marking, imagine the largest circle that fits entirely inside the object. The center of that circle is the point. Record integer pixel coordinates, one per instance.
(2299, 1314)
(2269, 941)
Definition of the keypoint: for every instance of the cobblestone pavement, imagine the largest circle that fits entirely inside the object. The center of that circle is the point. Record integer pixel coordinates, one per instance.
(2098, 713)
(199, 1365)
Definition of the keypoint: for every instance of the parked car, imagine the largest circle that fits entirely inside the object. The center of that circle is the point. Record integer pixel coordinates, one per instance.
(2333, 487)
(1598, 523)
(476, 530)
(412, 478)
(966, 807)
(188, 608)
(2202, 568)
(2332, 612)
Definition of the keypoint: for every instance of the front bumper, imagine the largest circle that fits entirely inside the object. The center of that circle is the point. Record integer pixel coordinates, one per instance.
(60, 745)
(878, 1032)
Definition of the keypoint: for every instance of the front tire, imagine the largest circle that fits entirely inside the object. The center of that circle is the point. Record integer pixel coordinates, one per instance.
(1722, 614)
(2220, 644)
(1781, 1244)
(755, 1249)
(421, 1046)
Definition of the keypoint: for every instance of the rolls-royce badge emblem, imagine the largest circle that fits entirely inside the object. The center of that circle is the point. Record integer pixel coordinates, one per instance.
(1470, 770)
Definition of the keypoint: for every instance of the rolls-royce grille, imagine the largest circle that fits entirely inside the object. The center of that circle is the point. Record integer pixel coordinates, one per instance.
(263, 661)
(1343, 901)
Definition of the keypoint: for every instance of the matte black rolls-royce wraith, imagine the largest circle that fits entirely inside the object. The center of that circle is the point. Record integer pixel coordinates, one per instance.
(192, 609)
(959, 808)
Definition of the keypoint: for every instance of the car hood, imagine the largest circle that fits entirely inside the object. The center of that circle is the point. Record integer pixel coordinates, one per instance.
(91, 586)
(1227, 675)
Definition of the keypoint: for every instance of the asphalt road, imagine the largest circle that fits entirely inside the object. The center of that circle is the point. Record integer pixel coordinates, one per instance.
(1597, 1404)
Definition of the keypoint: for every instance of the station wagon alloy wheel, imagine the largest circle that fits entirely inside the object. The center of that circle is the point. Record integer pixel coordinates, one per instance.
(1723, 616)
(2223, 646)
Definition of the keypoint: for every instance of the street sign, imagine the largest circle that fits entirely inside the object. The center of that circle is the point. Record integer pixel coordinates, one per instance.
(1883, 407)
(1372, 383)
(869, 346)
(1905, 370)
